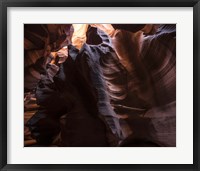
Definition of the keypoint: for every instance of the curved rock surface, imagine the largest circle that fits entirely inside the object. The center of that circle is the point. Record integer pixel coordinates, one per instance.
(117, 90)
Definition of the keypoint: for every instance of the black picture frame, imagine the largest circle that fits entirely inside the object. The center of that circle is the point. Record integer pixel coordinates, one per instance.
(99, 3)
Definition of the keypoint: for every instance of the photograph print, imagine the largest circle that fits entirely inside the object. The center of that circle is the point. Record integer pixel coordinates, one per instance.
(100, 85)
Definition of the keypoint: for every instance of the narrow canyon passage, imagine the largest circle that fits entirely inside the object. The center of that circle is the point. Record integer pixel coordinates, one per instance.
(100, 85)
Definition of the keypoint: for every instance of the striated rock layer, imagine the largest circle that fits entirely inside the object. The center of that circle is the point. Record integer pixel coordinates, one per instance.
(117, 90)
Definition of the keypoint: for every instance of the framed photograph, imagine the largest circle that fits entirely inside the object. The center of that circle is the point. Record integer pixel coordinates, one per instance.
(100, 85)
